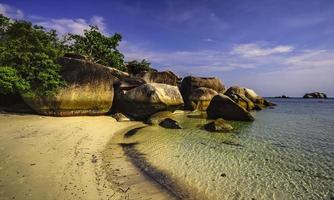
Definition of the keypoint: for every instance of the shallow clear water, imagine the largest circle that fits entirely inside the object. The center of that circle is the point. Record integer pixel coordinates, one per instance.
(286, 153)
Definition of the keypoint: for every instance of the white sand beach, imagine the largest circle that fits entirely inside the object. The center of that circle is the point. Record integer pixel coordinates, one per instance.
(60, 158)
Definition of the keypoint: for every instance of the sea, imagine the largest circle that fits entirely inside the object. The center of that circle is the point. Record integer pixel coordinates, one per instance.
(286, 153)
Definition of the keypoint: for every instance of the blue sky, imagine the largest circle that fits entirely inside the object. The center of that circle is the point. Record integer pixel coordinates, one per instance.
(275, 47)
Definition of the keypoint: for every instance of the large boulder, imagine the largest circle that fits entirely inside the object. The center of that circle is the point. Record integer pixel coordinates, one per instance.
(200, 98)
(191, 83)
(317, 95)
(221, 106)
(165, 77)
(247, 98)
(238, 94)
(145, 100)
(89, 90)
(218, 125)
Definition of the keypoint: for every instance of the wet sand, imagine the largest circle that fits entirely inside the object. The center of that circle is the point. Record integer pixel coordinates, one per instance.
(125, 175)
(65, 158)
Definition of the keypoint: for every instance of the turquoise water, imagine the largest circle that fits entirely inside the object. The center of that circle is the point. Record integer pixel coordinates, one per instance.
(286, 153)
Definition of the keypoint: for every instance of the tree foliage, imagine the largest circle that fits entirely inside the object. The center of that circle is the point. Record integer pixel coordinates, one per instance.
(135, 67)
(10, 81)
(97, 47)
(28, 56)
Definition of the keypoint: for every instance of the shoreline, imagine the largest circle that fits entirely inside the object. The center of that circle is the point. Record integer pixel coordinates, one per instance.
(58, 158)
(124, 173)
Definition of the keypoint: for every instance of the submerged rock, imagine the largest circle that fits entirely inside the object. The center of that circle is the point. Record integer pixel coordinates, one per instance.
(221, 106)
(120, 117)
(198, 115)
(191, 83)
(158, 117)
(89, 90)
(219, 125)
(145, 100)
(316, 95)
(170, 123)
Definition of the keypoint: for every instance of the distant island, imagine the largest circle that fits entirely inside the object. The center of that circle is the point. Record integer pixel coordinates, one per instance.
(315, 95)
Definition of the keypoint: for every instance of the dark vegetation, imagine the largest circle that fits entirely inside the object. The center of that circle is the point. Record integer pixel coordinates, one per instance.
(135, 67)
(29, 56)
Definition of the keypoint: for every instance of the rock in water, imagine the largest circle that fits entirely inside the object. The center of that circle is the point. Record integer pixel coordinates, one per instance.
(238, 94)
(191, 83)
(316, 95)
(257, 107)
(120, 117)
(158, 117)
(89, 91)
(247, 98)
(200, 98)
(219, 125)
(145, 100)
(170, 123)
(221, 106)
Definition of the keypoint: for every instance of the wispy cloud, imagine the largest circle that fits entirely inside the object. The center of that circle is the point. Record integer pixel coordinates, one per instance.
(76, 26)
(10, 11)
(311, 59)
(201, 62)
(254, 50)
(304, 21)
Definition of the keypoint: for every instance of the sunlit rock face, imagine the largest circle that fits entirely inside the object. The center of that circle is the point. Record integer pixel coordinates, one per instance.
(191, 83)
(200, 98)
(165, 77)
(221, 106)
(89, 90)
(247, 98)
(145, 100)
(316, 95)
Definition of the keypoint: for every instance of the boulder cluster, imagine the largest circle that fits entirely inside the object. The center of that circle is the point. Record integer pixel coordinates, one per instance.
(94, 89)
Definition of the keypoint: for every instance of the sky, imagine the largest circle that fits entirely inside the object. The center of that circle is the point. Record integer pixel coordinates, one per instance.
(275, 47)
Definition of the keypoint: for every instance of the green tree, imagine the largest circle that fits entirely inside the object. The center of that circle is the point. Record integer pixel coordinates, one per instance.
(28, 54)
(10, 81)
(97, 47)
(135, 67)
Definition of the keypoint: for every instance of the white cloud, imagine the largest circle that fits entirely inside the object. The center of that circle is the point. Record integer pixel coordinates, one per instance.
(10, 11)
(254, 50)
(274, 74)
(76, 26)
(61, 25)
(202, 62)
